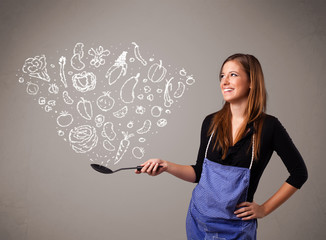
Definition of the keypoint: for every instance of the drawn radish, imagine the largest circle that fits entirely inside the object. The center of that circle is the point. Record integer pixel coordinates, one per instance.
(123, 147)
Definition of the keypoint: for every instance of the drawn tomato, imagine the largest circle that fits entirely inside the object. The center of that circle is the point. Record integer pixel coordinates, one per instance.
(64, 119)
(105, 102)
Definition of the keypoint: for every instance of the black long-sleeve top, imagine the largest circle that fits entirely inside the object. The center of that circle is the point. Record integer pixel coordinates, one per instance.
(274, 138)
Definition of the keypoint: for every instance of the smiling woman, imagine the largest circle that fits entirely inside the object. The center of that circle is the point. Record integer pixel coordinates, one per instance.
(237, 143)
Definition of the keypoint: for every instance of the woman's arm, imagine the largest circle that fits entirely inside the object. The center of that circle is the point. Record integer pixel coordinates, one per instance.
(183, 172)
(251, 210)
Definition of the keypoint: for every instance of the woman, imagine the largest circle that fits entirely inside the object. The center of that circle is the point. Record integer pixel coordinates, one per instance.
(237, 143)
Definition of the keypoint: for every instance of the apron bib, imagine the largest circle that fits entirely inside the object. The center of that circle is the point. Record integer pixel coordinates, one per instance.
(214, 199)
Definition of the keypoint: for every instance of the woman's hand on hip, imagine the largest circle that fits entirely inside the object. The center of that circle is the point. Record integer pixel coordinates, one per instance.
(250, 210)
(151, 167)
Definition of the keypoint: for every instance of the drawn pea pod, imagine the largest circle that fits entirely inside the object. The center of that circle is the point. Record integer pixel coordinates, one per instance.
(108, 131)
(127, 92)
(121, 112)
(66, 98)
(145, 128)
(108, 145)
(85, 109)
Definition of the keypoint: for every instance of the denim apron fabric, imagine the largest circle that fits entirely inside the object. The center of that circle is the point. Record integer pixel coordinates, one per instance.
(214, 199)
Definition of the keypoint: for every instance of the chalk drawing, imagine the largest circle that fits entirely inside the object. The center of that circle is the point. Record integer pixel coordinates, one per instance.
(140, 110)
(183, 72)
(167, 99)
(76, 62)
(65, 119)
(105, 102)
(147, 89)
(145, 128)
(162, 122)
(98, 56)
(138, 55)
(180, 90)
(53, 88)
(123, 146)
(138, 152)
(36, 67)
(108, 96)
(118, 69)
(32, 88)
(156, 111)
(190, 80)
(42, 101)
(156, 72)
(66, 98)
(83, 138)
(130, 124)
(99, 120)
(85, 109)
(108, 145)
(108, 131)
(84, 82)
(62, 63)
(127, 91)
(121, 112)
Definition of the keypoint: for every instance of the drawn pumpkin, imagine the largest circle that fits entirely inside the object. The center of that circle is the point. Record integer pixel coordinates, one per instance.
(156, 72)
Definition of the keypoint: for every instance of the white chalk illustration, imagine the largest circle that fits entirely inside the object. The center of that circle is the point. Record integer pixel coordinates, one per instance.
(138, 152)
(123, 147)
(142, 140)
(66, 98)
(108, 96)
(98, 56)
(51, 103)
(53, 88)
(36, 67)
(180, 90)
(62, 63)
(32, 88)
(99, 120)
(156, 72)
(130, 124)
(127, 92)
(108, 145)
(85, 109)
(162, 122)
(150, 97)
(121, 112)
(183, 72)
(167, 99)
(145, 128)
(118, 69)
(105, 102)
(83, 138)
(147, 89)
(76, 62)
(140, 110)
(156, 111)
(108, 131)
(84, 82)
(137, 54)
(64, 119)
(190, 80)
(42, 101)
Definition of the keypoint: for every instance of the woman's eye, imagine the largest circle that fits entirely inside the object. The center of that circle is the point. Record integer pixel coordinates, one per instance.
(221, 76)
(234, 75)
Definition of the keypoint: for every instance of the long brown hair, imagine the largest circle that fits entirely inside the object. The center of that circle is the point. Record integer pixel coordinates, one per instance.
(255, 110)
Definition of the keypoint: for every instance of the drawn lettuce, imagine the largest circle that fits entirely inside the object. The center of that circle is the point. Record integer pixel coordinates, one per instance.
(36, 67)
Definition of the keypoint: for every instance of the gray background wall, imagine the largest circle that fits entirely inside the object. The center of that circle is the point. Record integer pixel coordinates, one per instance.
(49, 192)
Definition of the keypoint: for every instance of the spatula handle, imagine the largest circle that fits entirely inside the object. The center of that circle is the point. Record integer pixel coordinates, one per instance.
(140, 167)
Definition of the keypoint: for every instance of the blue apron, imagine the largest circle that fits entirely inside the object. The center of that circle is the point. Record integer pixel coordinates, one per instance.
(214, 199)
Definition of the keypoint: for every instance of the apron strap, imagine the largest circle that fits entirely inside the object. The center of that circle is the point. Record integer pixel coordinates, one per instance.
(252, 152)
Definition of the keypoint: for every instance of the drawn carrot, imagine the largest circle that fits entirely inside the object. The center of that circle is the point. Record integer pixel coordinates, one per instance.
(123, 147)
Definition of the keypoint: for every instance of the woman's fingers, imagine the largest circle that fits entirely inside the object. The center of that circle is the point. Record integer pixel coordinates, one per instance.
(248, 210)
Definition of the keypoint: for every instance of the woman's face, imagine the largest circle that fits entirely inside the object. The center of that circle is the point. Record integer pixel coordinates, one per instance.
(234, 82)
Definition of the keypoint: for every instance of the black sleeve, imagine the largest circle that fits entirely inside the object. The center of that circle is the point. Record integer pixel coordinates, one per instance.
(290, 156)
(202, 148)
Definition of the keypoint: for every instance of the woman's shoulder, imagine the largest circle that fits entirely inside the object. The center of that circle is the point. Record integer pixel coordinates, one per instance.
(209, 118)
(272, 123)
